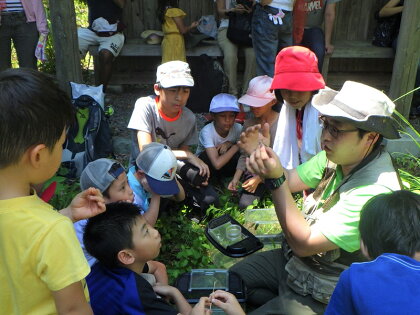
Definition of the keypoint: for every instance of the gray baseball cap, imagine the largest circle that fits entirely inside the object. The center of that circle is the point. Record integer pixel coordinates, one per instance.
(100, 174)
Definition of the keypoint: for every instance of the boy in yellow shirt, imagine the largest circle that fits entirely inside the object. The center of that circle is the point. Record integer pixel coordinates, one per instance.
(42, 265)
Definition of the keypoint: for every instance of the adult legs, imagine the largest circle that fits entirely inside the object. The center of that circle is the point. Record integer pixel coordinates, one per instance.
(265, 37)
(105, 67)
(5, 45)
(230, 60)
(265, 277)
(250, 67)
(25, 40)
(285, 37)
(313, 38)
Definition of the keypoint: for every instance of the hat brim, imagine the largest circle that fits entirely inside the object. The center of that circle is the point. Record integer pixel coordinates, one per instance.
(162, 187)
(325, 103)
(298, 81)
(224, 109)
(167, 83)
(254, 101)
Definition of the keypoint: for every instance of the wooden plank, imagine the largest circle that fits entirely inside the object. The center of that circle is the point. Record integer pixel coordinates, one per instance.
(407, 56)
(66, 45)
(360, 49)
(141, 50)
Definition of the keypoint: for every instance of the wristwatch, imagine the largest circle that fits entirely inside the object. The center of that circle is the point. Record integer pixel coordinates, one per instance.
(274, 183)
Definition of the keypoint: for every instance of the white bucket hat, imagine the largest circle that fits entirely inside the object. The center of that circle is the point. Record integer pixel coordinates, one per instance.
(361, 105)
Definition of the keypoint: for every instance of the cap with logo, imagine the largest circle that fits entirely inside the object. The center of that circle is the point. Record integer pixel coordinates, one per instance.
(159, 164)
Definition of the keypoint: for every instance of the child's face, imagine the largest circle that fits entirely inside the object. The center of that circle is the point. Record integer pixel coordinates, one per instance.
(173, 99)
(120, 190)
(296, 99)
(261, 111)
(224, 121)
(146, 240)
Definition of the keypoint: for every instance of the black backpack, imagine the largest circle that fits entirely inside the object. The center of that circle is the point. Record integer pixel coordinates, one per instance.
(89, 138)
(209, 80)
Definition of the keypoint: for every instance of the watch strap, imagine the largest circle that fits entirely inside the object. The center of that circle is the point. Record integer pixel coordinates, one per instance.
(274, 183)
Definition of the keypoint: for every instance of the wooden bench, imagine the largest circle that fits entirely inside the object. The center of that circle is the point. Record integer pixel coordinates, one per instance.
(356, 50)
(138, 48)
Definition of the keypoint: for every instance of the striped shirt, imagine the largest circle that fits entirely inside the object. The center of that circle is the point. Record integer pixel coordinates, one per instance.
(13, 6)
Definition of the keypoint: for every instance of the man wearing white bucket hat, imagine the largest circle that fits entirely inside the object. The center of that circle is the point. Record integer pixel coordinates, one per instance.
(323, 239)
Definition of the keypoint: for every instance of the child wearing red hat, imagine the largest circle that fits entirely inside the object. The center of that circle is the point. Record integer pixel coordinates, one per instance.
(296, 81)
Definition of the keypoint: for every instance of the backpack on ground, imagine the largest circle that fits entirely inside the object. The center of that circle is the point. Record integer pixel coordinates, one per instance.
(209, 80)
(89, 138)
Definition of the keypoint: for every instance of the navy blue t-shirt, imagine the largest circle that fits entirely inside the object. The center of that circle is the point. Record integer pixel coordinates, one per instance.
(106, 9)
(120, 291)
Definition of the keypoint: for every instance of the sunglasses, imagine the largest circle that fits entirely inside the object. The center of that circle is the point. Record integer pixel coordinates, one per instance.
(332, 130)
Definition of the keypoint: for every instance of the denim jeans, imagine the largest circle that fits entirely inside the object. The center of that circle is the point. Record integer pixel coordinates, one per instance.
(313, 38)
(25, 38)
(268, 38)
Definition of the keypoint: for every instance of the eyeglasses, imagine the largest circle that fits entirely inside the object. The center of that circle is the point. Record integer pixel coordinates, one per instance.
(333, 131)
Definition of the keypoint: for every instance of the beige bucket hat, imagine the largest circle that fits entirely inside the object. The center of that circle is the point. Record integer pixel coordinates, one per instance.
(361, 105)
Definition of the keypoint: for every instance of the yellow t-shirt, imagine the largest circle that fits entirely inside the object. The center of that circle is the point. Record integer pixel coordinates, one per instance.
(39, 253)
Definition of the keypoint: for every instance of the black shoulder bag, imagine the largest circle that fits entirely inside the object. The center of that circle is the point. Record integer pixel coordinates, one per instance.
(239, 29)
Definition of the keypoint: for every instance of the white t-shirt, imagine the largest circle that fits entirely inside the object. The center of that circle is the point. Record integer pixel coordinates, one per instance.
(209, 138)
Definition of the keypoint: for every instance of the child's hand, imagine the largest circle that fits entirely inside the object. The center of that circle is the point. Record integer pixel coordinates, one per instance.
(194, 24)
(224, 147)
(165, 290)
(201, 308)
(203, 167)
(233, 185)
(227, 302)
(251, 184)
(85, 205)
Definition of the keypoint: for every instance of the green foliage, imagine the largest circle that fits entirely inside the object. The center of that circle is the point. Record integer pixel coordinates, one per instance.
(65, 191)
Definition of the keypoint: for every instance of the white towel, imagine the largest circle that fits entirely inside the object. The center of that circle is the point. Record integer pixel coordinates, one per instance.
(102, 25)
(285, 142)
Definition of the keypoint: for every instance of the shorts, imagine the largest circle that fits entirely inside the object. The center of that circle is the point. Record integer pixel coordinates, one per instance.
(87, 38)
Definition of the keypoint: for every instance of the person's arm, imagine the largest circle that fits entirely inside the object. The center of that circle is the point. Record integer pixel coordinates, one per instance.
(222, 11)
(152, 213)
(184, 29)
(120, 3)
(143, 138)
(391, 8)
(303, 239)
(181, 195)
(85, 205)
(233, 184)
(173, 293)
(218, 161)
(184, 153)
(71, 300)
(329, 18)
(40, 17)
(158, 269)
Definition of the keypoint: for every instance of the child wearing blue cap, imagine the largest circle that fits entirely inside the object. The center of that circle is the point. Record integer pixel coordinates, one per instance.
(217, 142)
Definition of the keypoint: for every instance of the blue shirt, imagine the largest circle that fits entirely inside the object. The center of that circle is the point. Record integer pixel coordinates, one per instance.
(390, 284)
(121, 291)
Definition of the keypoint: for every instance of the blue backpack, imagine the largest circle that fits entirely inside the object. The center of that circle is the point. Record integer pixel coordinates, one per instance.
(89, 138)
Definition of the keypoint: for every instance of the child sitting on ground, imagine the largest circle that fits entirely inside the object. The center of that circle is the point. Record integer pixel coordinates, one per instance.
(390, 237)
(123, 242)
(42, 266)
(110, 178)
(263, 105)
(217, 141)
(155, 164)
(163, 118)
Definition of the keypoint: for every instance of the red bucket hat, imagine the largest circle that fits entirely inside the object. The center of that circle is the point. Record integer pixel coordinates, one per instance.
(296, 69)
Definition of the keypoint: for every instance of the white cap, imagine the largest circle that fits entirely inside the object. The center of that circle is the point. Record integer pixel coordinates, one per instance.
(174, 73)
